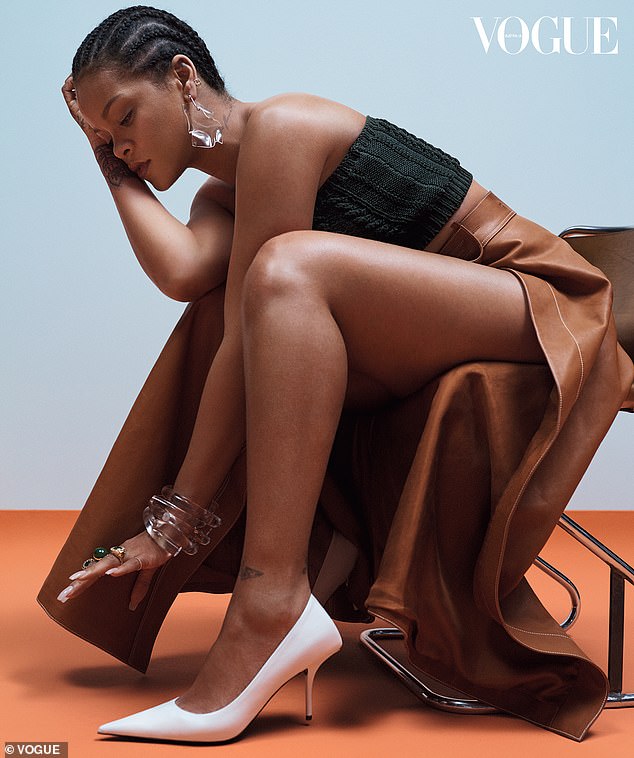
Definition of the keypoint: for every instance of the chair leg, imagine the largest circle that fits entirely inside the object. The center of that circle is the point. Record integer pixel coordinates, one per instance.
(620, 572)
(439, 696)
(434, 693)
(568, 585)
(431, 692)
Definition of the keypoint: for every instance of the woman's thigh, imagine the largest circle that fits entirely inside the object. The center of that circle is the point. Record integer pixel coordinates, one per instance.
(405, 315)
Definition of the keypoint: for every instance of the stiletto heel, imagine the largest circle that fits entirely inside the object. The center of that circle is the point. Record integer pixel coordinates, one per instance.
(310, 676)
(311, 641)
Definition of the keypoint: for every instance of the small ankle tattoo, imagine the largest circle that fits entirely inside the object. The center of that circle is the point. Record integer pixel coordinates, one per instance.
(246, 572)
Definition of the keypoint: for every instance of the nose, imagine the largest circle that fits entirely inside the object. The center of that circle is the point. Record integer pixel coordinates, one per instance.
(120, 149)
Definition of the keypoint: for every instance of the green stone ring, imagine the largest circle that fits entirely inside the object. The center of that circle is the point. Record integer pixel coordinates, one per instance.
(97, 554)
(101, 552)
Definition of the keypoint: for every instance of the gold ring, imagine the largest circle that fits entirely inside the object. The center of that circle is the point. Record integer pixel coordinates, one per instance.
(119, 552)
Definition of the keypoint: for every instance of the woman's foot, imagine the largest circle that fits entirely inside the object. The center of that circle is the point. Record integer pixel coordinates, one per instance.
(312, 639)
(259, 615)
(335, 568)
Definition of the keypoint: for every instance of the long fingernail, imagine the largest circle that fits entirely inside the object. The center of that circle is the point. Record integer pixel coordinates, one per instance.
(78, 575)
(63, 595)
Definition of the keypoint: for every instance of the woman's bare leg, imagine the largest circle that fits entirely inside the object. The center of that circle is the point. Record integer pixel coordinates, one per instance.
(331, 320)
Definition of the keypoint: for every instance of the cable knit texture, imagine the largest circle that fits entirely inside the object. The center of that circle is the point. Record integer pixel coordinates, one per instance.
(391, 186)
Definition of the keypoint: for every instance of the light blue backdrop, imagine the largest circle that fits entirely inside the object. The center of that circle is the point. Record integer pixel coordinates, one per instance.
(81, 325)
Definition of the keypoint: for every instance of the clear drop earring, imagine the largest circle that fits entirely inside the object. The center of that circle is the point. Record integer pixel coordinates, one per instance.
(201, 118)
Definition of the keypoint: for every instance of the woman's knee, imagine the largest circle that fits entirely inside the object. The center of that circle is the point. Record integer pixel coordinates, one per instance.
(280, 269)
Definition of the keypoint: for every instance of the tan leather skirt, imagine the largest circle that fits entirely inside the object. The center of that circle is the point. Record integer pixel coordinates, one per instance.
(449, 495)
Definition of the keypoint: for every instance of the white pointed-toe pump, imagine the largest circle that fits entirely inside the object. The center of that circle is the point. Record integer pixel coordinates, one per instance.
(312, 639)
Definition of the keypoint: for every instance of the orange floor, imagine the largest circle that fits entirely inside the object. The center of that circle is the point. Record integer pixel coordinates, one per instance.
(58, 687)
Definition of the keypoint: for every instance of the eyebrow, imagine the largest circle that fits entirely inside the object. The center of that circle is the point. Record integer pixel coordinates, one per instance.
(104, 113)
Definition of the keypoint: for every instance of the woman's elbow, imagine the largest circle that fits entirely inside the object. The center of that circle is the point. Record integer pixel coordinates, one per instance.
(185, 289)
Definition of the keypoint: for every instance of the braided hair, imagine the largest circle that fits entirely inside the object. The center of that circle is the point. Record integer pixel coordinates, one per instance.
(142, 41)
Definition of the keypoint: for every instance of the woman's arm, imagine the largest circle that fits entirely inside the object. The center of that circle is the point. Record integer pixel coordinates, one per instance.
(184, 261)
(278, 172)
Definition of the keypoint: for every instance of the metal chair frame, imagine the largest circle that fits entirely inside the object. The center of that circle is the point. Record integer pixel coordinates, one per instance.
(620, 572)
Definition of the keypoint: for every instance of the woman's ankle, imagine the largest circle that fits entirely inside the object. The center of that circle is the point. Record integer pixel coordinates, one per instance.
(268, 604)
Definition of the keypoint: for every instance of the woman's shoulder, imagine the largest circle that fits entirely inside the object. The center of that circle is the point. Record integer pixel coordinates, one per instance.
(303, 109)
(324, 127)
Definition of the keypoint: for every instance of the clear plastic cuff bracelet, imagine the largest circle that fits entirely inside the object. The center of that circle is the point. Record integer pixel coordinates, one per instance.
(177, 523)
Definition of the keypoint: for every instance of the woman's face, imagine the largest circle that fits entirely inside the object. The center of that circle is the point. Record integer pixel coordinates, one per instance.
(144, 122)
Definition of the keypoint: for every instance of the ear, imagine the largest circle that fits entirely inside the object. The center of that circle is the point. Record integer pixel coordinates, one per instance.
(185, 72)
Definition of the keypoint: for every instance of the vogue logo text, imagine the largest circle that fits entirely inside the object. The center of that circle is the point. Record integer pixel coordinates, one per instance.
(549, 35)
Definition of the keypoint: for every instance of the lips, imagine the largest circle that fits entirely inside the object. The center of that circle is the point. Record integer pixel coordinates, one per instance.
(140, 169)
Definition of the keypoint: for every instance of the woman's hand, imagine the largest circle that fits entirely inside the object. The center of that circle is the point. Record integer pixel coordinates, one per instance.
(70, 96)
(142, 554)
(114, 169)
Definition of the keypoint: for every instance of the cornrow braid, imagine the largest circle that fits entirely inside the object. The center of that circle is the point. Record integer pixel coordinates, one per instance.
(142, 41)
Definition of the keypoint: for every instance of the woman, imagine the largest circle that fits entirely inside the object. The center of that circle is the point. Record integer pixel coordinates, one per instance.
(326, 226)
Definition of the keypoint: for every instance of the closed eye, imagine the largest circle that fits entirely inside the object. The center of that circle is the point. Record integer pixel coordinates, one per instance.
(127, 119)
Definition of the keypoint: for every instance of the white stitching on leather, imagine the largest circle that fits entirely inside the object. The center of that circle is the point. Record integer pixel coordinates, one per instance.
(573, 337)
(498, 228)
(538, 462)
(530, 473)
(519, 496)
(545, 634)
(574, 655)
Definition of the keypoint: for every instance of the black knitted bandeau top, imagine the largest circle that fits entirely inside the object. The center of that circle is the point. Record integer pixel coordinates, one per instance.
(391, 186)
